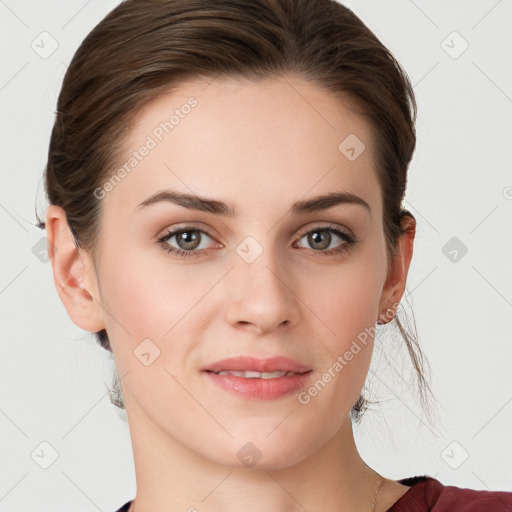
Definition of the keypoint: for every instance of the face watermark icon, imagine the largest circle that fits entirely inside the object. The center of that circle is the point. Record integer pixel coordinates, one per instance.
(454, 455)
(454, 45)
(249, 249)
(454, 249)
(507, 193)
(249, 454)
(351, 147)
(40, 249)
(45, 45)
(44, 455)
(146, 352)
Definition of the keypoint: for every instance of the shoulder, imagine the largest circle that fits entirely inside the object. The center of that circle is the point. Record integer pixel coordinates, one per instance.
(429, 494)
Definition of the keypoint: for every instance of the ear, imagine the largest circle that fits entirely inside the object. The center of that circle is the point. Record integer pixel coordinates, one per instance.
(397, 275)
(73, 272)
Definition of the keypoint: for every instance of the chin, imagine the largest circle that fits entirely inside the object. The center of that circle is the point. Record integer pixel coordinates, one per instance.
(260, 453)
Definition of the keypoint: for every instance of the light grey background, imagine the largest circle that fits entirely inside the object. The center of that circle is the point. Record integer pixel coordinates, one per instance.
(53, 375)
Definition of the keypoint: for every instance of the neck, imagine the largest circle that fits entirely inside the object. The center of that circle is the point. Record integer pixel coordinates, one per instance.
(172, 477)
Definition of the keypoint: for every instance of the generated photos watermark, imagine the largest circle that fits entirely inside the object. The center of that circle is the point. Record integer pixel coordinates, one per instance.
(152, 140)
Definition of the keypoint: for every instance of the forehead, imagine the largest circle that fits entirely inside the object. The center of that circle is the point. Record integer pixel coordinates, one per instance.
(276, 139)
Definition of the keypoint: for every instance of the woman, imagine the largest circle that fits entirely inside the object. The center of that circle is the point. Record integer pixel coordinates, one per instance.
(226, 182)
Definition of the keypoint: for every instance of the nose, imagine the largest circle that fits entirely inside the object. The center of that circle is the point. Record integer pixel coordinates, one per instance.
(261, 295)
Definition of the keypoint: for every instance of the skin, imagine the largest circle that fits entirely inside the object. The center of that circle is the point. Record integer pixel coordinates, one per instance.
(259, 147)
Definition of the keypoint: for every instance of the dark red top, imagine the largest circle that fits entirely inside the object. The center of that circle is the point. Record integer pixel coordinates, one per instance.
(428, 494)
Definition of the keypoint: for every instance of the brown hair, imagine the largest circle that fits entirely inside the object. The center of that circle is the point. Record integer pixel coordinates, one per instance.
(144, 48)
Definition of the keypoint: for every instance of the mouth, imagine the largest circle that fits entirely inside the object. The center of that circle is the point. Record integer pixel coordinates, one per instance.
(258, 379)
(257, 375)
(255, 368)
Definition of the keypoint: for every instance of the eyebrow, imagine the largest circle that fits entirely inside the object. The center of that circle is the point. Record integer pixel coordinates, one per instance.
(194, 202)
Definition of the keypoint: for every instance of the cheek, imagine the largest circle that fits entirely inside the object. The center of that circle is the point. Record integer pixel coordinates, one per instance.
(143, 299)
(346, 297)
(152, 324)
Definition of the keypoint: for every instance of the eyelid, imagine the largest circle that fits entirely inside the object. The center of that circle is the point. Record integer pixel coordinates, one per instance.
(326, 225)
(186, 226)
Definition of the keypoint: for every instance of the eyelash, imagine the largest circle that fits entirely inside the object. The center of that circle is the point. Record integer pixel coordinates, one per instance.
(350, 241)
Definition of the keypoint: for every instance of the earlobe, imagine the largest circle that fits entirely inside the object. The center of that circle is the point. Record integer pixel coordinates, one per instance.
(397, 276)
(73, 272)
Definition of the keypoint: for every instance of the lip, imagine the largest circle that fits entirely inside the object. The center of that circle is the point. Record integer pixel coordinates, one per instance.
(248, 363)
(255, 388)
(261, 389)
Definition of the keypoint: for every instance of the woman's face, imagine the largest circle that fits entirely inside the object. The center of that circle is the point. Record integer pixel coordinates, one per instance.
(257, 277)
